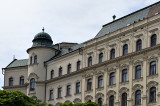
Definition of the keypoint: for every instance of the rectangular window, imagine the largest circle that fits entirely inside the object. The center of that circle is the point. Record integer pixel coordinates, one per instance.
(51, 95)
(52, 74)
(59, 92)
(78, 87)
(60, 71)
(30, 60)
(78, 65)
(69, 69)
(68, 93)
(35, 59)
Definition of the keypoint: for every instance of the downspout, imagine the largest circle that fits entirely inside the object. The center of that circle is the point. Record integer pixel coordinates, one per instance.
(4, 75)
(45, 65)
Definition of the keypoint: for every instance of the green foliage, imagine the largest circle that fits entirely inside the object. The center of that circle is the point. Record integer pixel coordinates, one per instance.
(79, 104)
(16, 98)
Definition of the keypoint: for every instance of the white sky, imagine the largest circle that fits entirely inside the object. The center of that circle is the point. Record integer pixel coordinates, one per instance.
(64, 20)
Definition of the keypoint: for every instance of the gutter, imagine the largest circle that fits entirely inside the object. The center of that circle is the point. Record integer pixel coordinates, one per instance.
(3, 72)
(45, 65)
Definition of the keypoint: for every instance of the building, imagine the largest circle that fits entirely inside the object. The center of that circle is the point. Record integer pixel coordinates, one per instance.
(119, 67)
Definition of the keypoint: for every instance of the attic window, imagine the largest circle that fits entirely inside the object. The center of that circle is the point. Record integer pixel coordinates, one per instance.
(69, 49)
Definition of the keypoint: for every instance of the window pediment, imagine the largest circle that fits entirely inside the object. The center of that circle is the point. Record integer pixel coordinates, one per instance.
(32, 75)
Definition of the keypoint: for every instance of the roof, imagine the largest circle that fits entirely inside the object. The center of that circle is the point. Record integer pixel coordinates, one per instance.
(18, 63)
(129, 19)
(65, 51)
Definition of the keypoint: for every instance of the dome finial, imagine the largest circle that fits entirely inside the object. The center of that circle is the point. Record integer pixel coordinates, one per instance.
(43, 29)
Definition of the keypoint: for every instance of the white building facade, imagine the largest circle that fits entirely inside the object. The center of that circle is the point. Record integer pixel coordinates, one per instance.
(119, 67)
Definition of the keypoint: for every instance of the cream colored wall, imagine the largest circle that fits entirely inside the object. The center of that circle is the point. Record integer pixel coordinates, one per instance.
(43, 54)
(16, 73)
(54, 85)
(64, 62)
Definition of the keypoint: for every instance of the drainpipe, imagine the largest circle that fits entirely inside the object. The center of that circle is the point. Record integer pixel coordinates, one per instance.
(45, 65)
(4, 75)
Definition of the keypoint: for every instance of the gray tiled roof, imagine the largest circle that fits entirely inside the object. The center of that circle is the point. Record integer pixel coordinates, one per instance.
(18, 63)
(129, 19)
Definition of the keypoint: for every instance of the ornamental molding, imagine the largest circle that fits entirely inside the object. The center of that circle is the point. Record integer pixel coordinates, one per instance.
(153, 30)
(99, 72)
(152, 58)
(88, 97)
(112, 69)
(124, 66)
(87, 75)
(137, 62)
(99, 95)
(123, 89)
(137, 87)
(32, 75)
(151, 84)
(111, 92)
(77, 100)
(138, 36)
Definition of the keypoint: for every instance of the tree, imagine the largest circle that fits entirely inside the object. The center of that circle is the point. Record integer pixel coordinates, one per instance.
(17, 98)
(79, 104)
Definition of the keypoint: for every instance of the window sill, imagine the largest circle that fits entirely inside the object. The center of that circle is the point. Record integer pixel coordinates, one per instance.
(59, 98)
(112, 85)
(78, 93)
(50, 99)
(100, 89)
(152, 103)
(138, 79)
(153, 76)
(68, 95)
(89, 91)
(124, 83)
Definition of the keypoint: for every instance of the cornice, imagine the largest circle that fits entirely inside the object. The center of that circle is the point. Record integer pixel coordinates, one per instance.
(116, 60)
(15, 86)
(145, 23)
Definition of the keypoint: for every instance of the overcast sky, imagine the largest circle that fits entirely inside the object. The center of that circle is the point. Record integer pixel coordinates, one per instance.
(65, 20)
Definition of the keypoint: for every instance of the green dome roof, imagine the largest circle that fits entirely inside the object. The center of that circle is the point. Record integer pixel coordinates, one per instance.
(42, 35)
(42, 39)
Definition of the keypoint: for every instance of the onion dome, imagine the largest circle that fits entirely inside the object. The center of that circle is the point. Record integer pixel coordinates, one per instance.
(42, 39)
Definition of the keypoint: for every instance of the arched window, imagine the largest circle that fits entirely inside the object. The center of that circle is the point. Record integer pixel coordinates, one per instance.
(89, 84)
(153, 68)
(10, 81)
(153, 40)
(51, 95)
(100, 57)
(78, 65)
(31, 60)
(112, 54)
(139, 45)
(32, 84)
(111, 100)
(124, 99)
(60, 71)
(138, 72)
(100, 81)
(52, 74)
(68, 93)
(100, 101)
(21, 80)
(124, 75)
(35, 59)
(90, 61)
(153, 94)
(69, 69)
(138, 97)
(112, 78)
(125, 49)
